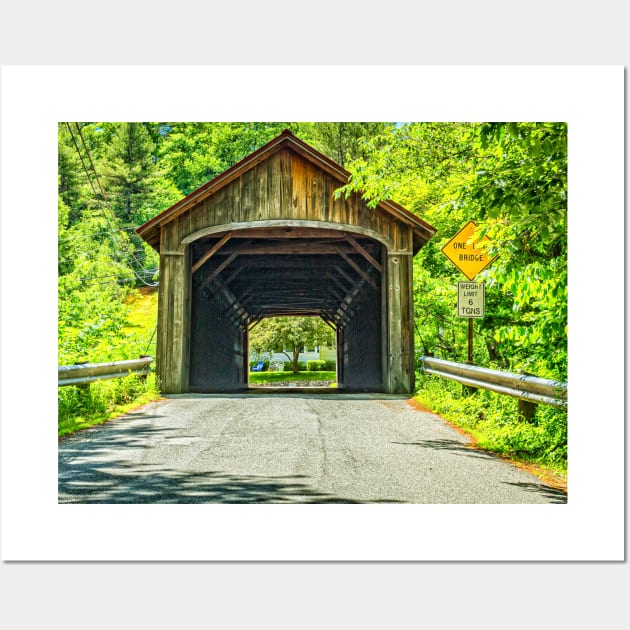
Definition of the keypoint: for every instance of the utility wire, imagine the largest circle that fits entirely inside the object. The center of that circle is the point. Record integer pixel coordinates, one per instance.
(108, 206)
(92, 235)
(114, 228)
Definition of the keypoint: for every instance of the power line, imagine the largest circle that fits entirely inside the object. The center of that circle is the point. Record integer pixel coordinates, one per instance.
(114, 228)
(92, 235)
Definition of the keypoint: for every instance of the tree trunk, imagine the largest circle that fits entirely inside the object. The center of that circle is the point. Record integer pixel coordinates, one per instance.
(296, 355)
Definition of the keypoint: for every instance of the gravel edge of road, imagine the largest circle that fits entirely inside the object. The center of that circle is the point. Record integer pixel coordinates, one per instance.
(550, 478)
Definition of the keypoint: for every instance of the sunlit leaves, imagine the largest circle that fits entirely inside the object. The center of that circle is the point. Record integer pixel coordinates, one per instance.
(510, 178)
(290, 335)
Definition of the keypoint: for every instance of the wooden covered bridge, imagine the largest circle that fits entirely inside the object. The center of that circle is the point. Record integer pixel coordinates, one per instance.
(268, 238)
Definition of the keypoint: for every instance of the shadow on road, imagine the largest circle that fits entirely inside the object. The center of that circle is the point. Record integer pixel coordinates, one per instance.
(554, 496)
(89, 472)
(131, 485)
(448, 445)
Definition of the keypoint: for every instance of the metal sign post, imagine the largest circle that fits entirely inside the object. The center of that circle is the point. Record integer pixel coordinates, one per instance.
(470, 257)
(471, 303)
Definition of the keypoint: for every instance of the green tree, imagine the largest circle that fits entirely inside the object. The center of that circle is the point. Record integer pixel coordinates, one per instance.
(129, 172)
(342, 141)
(520, 198)
(289, 335)
(92, 286)
(70, 176)
(511, 179)
(193, 153)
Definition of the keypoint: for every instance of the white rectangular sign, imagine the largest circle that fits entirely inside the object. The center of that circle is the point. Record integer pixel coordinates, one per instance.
(471, 299)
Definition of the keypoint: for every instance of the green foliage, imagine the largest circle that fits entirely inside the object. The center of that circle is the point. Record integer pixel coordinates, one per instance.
(289, 335)
(341, 141)
(492, 419)
(128, 172)
(315, 366)
(82, 407)
(288, 366)
(128, 336)
(91, 307)
(510, 178)
(520, 199)
(194, 153)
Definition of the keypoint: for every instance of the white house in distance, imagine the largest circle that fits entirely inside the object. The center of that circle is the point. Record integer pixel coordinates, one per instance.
(319, 353)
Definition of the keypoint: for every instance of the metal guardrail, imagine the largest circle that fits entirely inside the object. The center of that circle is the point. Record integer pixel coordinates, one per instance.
(85, 373)
(525, 387)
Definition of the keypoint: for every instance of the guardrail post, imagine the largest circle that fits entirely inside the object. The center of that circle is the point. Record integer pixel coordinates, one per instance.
(143, 375)
(84, 388)
(468, 390)
(526, 410)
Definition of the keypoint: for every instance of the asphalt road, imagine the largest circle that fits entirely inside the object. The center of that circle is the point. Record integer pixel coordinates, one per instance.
(286, 448)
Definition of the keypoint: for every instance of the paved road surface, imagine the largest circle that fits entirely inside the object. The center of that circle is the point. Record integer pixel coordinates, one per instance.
(285, 448)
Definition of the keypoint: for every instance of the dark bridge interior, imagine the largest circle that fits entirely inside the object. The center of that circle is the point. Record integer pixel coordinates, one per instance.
(242, 277)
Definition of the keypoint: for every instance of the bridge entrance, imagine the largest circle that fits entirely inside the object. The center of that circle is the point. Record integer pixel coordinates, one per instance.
(289, 271)
(269, 238)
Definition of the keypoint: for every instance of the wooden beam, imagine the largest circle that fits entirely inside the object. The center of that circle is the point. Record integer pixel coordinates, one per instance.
(346, 277)
(328, 322)
(238, 304)
(211, 252)
(365, 254)
(219, 269)
(235, 273)
(289, 248)
(357, 268)
(340, 285)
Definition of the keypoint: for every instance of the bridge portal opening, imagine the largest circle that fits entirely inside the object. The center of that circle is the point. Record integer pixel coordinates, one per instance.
(256, 282)
(292, 351)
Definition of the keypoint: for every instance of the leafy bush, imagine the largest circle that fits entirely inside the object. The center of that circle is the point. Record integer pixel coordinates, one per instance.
(315, 366)
(83, 406)
(492, 419)
(288, 366)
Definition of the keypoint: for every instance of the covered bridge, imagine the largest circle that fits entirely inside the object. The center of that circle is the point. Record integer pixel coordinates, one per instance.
(268, 238)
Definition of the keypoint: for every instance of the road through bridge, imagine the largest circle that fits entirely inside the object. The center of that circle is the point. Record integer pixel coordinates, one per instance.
(301, 447)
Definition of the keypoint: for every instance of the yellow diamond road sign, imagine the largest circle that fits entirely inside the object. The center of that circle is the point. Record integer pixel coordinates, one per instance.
(469, 257)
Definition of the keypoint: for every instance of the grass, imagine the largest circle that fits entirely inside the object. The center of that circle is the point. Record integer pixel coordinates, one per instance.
(82, 407)
(492, 421)
(257, 378)
(144, 313)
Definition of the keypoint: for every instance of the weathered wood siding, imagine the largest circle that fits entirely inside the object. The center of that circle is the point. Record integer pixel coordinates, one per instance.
(401, 368)
(173, 341)
(286, 188)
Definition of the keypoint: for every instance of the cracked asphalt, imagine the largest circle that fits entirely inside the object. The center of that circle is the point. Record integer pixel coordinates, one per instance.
(286, 448)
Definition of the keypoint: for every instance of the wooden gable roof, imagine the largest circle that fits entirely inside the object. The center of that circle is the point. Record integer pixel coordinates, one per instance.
(150, 231)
